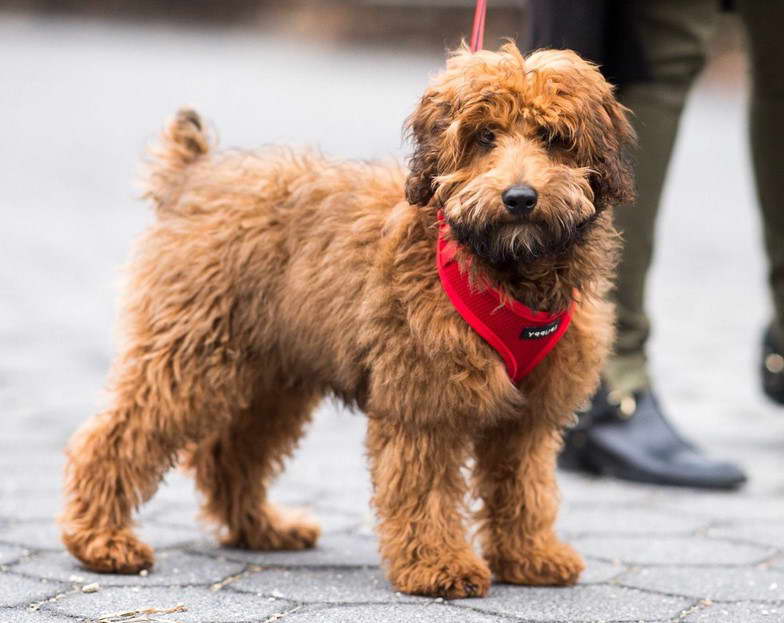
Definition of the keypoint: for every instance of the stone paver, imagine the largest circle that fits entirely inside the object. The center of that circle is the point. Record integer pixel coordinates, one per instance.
(31, 505)
(10, 553)
(17, 615)
(20, 591)
(599, 571)
(81, 99)
(629, 520)
(172, 568)
(333, 550)
(45, 534)
(584, 603)
(717, 584)
(321, 586)
(388, 613)
(737, 613)
(203, 605)
(763, 533)
(722, 507)
(663, 550)
(578, 493)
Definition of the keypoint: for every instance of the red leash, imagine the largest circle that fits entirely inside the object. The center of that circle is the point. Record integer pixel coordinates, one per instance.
(478, 31)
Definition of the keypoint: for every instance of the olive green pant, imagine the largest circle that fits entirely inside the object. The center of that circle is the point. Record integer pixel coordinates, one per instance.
(675, 35)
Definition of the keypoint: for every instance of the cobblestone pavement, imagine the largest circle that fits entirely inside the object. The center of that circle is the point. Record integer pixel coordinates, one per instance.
(79, 101)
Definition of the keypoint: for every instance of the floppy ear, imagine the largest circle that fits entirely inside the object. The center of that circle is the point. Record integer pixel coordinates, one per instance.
(424, 129)
(614, 180)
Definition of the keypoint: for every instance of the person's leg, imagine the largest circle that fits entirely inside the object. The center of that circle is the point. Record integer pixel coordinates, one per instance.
(763, 22)
(674, 37)
(580, 25)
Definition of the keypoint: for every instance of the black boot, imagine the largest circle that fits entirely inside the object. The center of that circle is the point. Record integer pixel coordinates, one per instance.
(772, 367)
(630, 438)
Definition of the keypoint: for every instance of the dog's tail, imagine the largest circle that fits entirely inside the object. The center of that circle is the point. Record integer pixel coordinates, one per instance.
(182, 143)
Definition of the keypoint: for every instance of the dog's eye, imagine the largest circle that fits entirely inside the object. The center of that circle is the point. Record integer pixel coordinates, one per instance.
(559, 142)
(486, 138)
(553, 140)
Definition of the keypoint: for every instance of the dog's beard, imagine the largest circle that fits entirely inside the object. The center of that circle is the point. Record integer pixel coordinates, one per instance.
(496, 245)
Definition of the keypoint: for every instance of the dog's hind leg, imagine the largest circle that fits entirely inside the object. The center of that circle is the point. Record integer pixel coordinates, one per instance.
(180, 376)
(419, 496)
(161, 402)
(514, 476)
(112, 466)
(234, 466)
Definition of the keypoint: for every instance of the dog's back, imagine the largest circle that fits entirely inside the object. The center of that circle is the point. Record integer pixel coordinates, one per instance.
(288, 234)
(184, 166)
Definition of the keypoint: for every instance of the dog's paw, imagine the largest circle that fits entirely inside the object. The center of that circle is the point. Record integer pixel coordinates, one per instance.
(552, 564)
(110, 552)
(463, 576)
(275, 532)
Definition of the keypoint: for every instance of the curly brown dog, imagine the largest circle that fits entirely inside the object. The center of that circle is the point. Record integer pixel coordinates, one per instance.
(272, 279)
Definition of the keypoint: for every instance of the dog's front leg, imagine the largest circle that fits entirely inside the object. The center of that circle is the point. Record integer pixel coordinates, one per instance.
(515, 478)
(419, 499)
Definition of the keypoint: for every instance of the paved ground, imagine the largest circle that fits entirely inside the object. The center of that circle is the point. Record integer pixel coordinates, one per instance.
(77, 104)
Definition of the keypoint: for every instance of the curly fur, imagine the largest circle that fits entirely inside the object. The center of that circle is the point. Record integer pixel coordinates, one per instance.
(271, 279)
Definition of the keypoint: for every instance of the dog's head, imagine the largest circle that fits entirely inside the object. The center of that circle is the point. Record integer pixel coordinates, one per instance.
(522, 154)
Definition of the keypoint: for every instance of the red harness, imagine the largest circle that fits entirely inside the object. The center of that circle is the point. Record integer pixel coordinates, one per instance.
(522, 336)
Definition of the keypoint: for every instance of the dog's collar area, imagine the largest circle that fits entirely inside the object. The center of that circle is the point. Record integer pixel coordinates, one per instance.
(522, 336)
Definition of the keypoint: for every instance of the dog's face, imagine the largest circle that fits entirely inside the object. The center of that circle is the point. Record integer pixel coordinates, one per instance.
(522, 154)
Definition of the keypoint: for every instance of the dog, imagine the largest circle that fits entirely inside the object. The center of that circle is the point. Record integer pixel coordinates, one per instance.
(273, 278)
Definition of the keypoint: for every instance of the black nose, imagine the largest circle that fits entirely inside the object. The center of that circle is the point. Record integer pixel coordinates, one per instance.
(519, 200)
